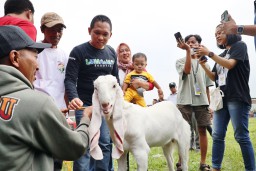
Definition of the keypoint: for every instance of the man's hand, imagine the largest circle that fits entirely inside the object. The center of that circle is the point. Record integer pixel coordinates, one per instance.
(230, 26)
(181, 44)
(64, 111)
(88, 112)
(75, 104)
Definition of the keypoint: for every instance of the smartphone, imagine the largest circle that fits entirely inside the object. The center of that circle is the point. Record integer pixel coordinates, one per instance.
(203, 58)
(178, 36)
(224, 16)
(193, 51)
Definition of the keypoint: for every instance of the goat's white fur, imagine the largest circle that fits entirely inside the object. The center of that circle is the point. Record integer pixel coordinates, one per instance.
(159, 125)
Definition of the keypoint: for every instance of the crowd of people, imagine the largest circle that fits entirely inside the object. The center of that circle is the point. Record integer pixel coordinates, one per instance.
(40, 83)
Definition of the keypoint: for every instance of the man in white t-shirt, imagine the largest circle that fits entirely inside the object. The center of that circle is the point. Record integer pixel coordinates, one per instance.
(52, 61)
(52, 64)
(173, 96)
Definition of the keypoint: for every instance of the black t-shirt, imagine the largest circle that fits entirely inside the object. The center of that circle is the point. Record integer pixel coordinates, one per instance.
(84, 66)
(237, 78)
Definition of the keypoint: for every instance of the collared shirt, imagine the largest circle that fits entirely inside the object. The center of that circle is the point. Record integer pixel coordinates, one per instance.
(186, 94)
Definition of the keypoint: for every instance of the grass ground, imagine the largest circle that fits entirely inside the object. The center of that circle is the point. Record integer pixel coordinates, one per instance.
(232, 161)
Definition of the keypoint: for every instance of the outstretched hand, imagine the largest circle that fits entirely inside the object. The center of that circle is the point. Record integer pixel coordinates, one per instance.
(229, 27)
(75, 104)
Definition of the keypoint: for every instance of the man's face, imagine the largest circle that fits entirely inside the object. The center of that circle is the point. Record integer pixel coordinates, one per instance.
(53, 34)
(173, 89)
(192, 42)
(100, 34)
(27, 63)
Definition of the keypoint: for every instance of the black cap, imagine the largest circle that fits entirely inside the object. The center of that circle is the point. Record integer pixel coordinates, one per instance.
(14, 38)
(172, 84)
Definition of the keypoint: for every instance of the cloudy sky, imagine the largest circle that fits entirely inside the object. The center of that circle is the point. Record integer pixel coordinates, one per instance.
(148, 26)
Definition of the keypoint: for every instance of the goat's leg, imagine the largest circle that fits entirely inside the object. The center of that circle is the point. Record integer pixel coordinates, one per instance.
(140, 153)
(168, 153)
(122, 164)
(183, 145)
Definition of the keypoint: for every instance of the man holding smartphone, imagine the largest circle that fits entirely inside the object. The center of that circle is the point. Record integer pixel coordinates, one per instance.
(193, 94)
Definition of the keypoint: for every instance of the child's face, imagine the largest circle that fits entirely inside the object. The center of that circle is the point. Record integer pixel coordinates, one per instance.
(139, 64)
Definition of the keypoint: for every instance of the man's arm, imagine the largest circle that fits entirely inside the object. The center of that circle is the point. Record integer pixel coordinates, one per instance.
(230, 27)
(188, 64)
(49, 118)
(71, 81)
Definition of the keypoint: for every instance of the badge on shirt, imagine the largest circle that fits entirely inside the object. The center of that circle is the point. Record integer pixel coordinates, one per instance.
(222, 79)
(197, 89)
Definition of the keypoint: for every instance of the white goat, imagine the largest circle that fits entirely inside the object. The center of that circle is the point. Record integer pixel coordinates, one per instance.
(134, 128)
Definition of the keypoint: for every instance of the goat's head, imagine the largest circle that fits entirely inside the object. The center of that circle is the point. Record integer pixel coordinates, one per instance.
(107, 100)
(106, 93)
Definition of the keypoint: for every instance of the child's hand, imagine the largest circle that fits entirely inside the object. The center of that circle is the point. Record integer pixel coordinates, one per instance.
(160, 94)
(160, 91)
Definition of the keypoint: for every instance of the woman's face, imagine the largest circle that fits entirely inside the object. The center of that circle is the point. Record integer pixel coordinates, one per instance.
(124, 54)
(220, 36)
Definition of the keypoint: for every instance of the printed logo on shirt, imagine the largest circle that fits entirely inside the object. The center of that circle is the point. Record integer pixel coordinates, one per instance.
(140, 77)
(7, 107)
(100, 62)
(61, 66)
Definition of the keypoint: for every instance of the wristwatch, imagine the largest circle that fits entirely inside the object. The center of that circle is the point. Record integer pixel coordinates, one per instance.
(240, 29)
(211, 54)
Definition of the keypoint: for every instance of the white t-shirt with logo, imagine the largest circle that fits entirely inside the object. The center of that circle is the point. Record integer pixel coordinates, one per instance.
(51, 74)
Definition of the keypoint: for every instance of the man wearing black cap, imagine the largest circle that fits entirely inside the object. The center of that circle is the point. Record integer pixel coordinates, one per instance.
(29, 119)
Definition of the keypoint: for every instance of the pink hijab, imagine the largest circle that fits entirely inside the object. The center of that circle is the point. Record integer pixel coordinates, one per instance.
(125, 67)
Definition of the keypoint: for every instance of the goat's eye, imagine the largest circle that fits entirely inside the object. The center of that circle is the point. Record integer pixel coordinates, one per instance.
(114, 86)
(95, 88)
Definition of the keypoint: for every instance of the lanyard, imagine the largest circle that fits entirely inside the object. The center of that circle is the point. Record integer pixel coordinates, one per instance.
(221, 69)
(195, 72)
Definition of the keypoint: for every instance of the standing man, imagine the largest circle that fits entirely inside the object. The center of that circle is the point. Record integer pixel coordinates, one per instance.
(86, 62)
(20, 13)
(33, 130)
(52, 61)
(194, 141)
(193, 94)
(173, 96)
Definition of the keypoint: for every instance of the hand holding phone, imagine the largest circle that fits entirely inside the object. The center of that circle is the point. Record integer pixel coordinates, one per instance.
(203, 58)
(224, 16)
(178, 36)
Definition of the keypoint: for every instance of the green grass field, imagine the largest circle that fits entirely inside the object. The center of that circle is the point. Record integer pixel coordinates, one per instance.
(233, 160)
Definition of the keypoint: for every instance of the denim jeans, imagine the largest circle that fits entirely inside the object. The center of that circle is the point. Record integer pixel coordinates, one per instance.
(87, 163)
(238, 112)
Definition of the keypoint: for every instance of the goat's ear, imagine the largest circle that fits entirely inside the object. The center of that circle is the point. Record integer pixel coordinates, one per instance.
(119, 124)
(94, 128)
(118, 108)
(96, 103)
